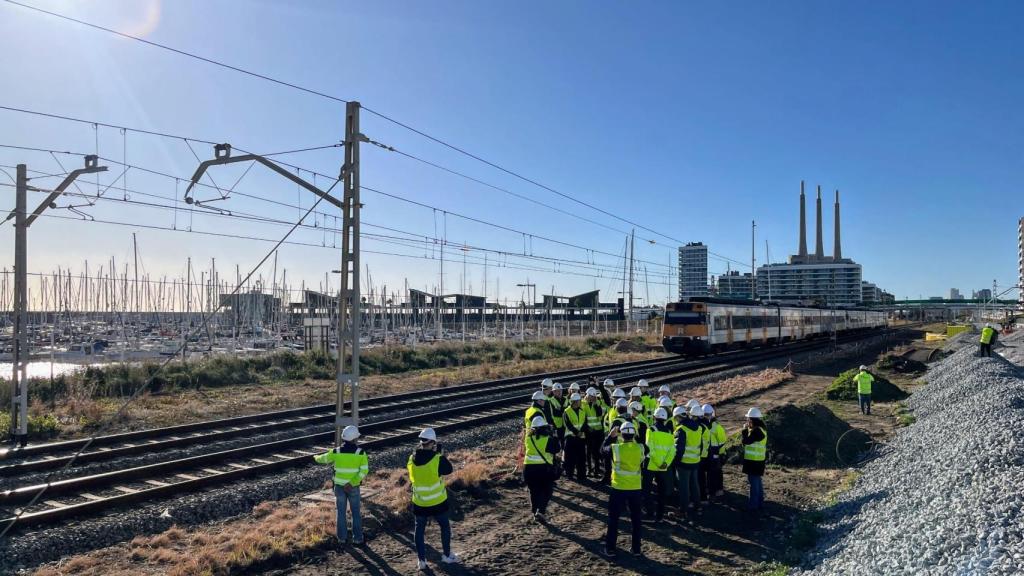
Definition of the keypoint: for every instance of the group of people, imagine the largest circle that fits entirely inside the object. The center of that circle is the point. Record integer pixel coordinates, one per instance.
(643, 446)
(427, 467)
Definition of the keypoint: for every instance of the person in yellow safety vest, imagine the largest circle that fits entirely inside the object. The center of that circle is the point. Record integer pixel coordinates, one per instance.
(627, 458)
(351, 465)
(575, 439)
(639, 419)
(864, 379)
(426, 467)
(755, 448)
(617, 416)
(988, 337)
(689, 435)
(665, 394)
(556, 407)
(539, 462)
(716, 483)
(574, 387)
(705, 456)
(650, 402)
(637, 395)
(594, 409)
(661, 452)
(538, 407)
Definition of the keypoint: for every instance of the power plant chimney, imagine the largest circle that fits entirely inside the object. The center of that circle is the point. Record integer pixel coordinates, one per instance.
(838, 250)
(803, 224)
(819, 251)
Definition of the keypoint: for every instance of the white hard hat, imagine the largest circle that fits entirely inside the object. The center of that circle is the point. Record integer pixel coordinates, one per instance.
(754, 412)
(575, 397)
(593, 392)
(692, 402)
(556, 386)
(350, 433)
(708, 409)
(621, 402)
(679, 411)
(627, 428)
(665, 402)
(574, 386)
(618, 393)
(987, 325)
(696, 411)
(661, 414)
(546, 383)
(635, 391)
(538, 395)
(636, 407)
(863, 367)
(609, 383)
(428, 435)
(664, 388)
(538, 422)
(642, 383)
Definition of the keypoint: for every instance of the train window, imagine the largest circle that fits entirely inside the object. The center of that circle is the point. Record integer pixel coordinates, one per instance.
(684, 318)
(721, 323)
(739, 322)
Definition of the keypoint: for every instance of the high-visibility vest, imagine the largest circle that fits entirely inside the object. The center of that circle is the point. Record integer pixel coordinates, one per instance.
(627, 458)
(556, 412)
(595, 416)
(864, 381)
(610, 419)
(755, 452)
(531, 412)
(349, 467)
(986, 334)
(427, 486)
(575, 417)
(661, 449)
(705, 440)
(718, 435)
(691, 454)
(537, 450)
(650, 404)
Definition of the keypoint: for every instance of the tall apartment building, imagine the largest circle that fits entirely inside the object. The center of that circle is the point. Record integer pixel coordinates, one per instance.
(734, 285)
(693, 271)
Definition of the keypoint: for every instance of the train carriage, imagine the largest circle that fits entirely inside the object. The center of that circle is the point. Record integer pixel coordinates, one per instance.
(710, 325)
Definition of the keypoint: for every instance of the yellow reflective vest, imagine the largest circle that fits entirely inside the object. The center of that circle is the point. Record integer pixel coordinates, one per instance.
(576, 418)
(627, 459)
(536, 450)
(691, 454)
(595, 416)
(756, 452)
(661, 449)
(986, 334)
(428, 487)
(864, 381)
(349, 467)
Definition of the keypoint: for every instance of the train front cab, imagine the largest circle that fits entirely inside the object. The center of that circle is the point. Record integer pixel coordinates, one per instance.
(686, 329)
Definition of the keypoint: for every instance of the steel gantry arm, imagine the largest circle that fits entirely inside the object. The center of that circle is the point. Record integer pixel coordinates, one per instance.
(222, 153)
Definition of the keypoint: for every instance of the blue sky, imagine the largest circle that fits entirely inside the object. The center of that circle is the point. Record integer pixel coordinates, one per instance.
(691, 119)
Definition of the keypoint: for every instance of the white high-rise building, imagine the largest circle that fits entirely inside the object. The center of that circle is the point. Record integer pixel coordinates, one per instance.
(693, 271)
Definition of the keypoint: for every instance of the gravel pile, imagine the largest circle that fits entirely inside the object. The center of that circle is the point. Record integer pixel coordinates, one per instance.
(945, 497)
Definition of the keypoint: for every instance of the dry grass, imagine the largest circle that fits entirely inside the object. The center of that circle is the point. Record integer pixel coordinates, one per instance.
(737, 386)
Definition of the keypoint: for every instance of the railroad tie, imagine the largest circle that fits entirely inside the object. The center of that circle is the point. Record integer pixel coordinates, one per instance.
(156, 483)
(125, 489)
(239, 466)
(55, 504)
(186, 476)
(261, 461)
(92, 497)
(212, 471)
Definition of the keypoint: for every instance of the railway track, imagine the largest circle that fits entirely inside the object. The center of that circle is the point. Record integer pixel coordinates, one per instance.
(82, 495)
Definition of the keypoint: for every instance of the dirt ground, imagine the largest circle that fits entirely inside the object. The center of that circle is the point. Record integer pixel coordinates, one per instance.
(494, 535)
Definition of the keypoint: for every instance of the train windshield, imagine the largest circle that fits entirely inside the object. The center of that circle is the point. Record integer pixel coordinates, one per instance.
(674, 317)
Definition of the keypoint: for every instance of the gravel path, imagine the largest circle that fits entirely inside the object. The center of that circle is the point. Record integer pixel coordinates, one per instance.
(945, 497)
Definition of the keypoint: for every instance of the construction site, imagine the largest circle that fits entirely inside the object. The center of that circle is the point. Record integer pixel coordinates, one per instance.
(392, 295)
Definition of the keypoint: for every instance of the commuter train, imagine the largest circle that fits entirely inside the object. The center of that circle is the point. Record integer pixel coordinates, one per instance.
(710, 325)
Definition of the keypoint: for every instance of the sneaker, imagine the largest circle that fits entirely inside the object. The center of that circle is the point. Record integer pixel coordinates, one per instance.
(452, 558)
(421, 565)
(357, 542)
(607, 553)
(539, 517)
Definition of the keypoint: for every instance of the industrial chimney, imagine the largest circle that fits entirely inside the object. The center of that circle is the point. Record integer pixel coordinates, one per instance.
(837, 254)
(803, 224)
(819, 251)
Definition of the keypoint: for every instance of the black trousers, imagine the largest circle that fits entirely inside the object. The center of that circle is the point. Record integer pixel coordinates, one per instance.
(576, 458)
(703, 472)
(716, 481)
(539, 481)
(986, 350)
(656, 487)
(594, 460)
(618, 500)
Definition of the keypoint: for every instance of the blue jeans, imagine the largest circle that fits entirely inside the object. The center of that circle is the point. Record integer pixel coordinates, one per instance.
(446, 534)
(350, 500)
(756, 492)
(865, 403)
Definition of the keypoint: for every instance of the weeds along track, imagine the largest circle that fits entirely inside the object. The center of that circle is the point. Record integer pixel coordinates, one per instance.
(446, 410)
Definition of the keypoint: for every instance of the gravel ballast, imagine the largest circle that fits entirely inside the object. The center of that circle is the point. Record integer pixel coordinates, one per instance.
(945, 496)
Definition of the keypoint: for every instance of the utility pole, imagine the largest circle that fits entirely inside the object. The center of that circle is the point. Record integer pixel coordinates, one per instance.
(348, 327)
(22, 221)
(632, 242)
(753, 276)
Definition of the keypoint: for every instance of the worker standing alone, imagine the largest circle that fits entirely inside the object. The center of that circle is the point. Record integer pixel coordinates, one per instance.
(627, 461)
(351, 465)
(427, 466)
(755, 448)
(575, 418)
(988, 336)
(864, 379)
(539, 466)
